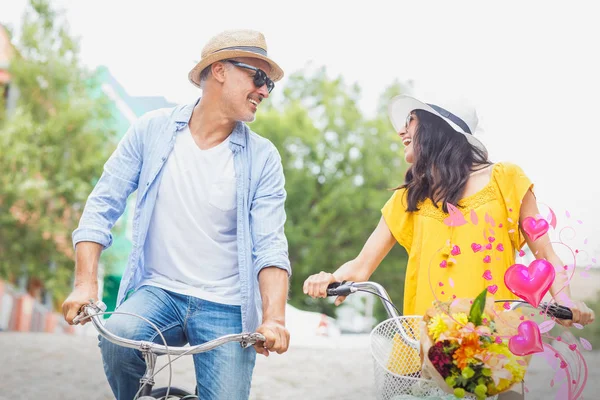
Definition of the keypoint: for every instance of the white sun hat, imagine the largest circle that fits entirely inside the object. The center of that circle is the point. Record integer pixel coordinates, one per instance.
(458, 113)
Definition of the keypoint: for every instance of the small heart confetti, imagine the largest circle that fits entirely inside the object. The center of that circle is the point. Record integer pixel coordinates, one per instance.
(563, 365)
(487, 275)
(487, 259)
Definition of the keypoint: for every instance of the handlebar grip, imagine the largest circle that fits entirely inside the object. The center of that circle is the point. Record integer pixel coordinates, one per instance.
(557, 311)
(338, 289)
(78, 318)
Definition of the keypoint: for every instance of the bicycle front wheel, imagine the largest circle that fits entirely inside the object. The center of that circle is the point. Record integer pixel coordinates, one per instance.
(174, 392)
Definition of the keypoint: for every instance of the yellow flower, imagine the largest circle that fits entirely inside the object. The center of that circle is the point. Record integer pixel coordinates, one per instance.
(436, 327)
(506, 371)
(461, 318)
(516, 369)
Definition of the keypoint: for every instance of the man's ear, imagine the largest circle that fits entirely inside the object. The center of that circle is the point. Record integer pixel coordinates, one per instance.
(218, 71)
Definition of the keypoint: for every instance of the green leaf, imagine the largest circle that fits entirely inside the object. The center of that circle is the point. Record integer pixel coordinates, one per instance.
(477, 308)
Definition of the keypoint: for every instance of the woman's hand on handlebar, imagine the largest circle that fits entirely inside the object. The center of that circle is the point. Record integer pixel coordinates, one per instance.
(582, 314)
(316, 286)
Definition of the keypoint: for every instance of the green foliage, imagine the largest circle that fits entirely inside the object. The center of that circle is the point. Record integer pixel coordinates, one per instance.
(339, 167)
(53, 146)
(476, 312)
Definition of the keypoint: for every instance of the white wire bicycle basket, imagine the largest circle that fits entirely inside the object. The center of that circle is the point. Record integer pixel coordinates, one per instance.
(395, 346)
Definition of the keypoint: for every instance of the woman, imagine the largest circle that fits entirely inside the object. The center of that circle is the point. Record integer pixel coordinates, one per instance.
(457, 215)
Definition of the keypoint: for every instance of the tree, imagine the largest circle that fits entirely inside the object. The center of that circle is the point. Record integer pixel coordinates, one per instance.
(54, 144)
(339, 166)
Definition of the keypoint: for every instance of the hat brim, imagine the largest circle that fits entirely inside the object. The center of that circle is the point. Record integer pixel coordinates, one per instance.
(194, 75)
(400, 106)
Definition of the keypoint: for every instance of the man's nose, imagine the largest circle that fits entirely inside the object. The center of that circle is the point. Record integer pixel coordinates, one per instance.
(263, 91)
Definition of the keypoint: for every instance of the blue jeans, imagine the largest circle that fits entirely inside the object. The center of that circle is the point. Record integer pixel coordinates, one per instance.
(222, 373)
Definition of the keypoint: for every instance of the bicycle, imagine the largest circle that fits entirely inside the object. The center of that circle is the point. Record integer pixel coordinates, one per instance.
(397, 365)
(150, 351)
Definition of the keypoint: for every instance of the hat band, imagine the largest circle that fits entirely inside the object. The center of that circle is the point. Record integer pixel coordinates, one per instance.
(251, 49)
(447, 114)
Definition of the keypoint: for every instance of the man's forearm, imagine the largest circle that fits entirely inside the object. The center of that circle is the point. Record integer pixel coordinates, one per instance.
(86, 266)
(274, 284)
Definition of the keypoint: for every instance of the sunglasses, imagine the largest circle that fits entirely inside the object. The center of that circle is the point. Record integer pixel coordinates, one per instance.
(409, 118)
(260, 76)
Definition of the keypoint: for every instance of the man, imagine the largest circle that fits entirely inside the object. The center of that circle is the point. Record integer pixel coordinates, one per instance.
(209, 251)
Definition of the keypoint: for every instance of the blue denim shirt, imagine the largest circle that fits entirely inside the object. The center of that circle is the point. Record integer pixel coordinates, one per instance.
(138, 162)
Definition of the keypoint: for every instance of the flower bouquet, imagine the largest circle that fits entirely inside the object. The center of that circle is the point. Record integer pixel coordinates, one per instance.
(465, 348)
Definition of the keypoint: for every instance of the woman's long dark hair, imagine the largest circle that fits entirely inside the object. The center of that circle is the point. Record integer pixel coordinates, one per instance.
(444, 161)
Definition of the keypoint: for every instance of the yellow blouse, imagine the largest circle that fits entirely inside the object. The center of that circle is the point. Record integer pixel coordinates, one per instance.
(446, 262)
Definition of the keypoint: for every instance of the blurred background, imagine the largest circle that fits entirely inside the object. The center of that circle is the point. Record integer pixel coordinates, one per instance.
(75, 74)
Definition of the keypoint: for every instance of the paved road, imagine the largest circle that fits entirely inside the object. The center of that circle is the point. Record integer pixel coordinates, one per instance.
(45, 366)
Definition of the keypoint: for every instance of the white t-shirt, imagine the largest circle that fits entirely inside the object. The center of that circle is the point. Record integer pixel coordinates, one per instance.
(191, 245)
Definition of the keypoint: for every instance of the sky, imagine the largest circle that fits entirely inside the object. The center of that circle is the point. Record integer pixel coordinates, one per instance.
(531, 69)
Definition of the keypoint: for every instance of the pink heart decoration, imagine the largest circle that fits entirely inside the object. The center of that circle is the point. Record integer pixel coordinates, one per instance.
(493, 289)
(500, 247)
(475, 247)
(455, 250)
(487, 275)
(535, 228)
(527, 341)
(530, 283)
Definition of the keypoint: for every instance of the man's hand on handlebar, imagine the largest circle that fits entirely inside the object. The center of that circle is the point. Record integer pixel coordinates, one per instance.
(80, 296)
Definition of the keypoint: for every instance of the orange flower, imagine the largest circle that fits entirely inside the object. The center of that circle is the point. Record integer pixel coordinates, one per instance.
(467, 351)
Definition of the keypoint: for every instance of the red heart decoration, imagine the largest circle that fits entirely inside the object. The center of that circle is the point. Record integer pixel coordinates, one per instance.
(534, 228)
(527, 341)
(530, 283)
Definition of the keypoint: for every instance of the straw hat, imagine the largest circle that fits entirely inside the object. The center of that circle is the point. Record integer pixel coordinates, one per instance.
(235, 43)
